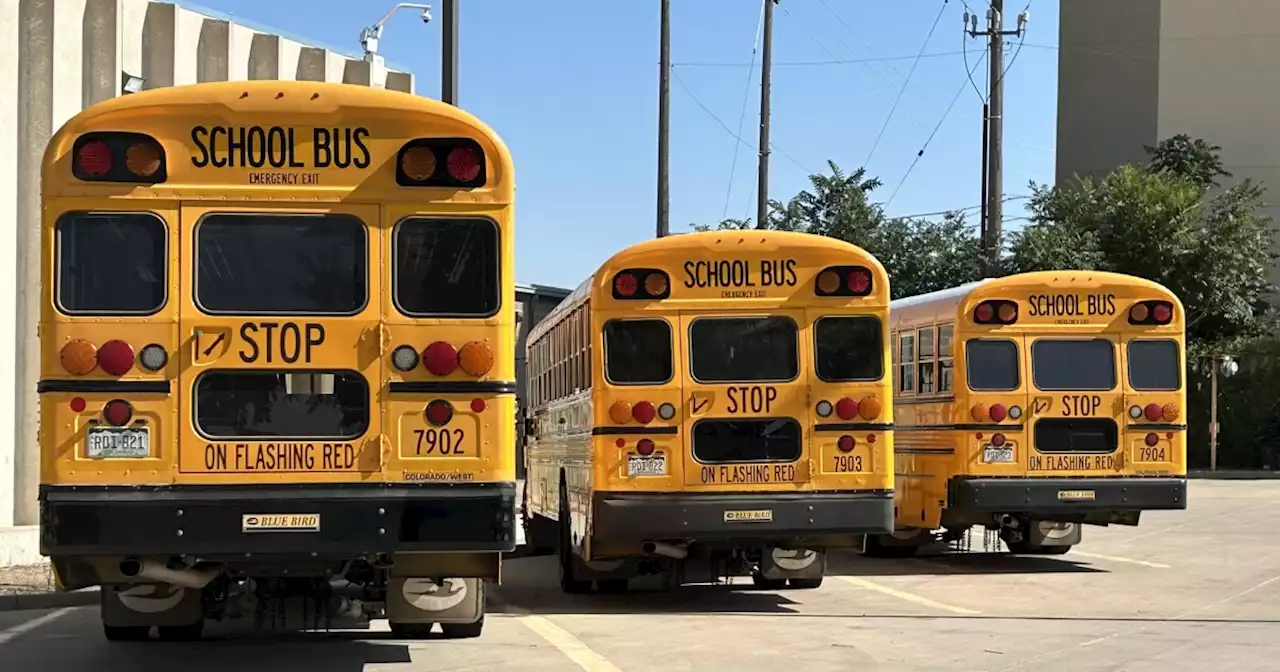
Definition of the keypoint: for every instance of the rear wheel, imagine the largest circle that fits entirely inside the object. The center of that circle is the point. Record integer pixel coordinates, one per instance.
(463, 630)
(1025, 548)
(613, 586)
(805, 584)
(568, 582)
(182, 633)
(125, 633)
(758, 580)
(874, 546)
(411, 630)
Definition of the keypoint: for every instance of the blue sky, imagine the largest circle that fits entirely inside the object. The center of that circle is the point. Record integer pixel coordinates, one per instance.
(572, 88)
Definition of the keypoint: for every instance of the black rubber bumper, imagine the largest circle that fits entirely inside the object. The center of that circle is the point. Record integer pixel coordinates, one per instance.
(632, 516)
(220, 519)
(1066, 495)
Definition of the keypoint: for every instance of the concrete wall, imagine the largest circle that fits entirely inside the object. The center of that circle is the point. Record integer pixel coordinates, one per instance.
(71, 54)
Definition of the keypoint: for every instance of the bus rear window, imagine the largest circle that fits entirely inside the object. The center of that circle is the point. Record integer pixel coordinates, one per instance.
(279, 404)
(1073, 365)
(1153, 366)
(446, 267)
(741, 349)
(848, 348)
(281, 264)
(111, 263)
(991, 365)
(637, 352)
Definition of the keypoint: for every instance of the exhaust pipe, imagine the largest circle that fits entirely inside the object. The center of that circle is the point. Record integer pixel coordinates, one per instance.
(664, 549)
(187, 577)
(1008, 521)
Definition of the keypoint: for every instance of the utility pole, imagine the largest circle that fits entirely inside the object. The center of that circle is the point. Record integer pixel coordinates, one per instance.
(449, 46)
(994, 125)
(766, 63)
(664, 124)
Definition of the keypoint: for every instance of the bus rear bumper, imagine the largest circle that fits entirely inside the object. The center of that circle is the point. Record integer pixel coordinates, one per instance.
(1066, 495)
(212, 520)
(711, 516)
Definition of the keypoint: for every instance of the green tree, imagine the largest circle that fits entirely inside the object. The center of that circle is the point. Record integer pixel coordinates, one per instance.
(1166, 222)
(920, 255)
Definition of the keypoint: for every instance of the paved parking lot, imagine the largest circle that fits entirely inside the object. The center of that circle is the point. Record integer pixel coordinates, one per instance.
(1198, 589)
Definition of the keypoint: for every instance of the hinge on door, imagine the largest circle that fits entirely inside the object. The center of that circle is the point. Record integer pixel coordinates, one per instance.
(384, 338)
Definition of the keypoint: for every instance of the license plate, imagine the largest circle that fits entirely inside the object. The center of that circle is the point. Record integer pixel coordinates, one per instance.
(641, 465)
(280, 522)
(105, 442)
(997, 454)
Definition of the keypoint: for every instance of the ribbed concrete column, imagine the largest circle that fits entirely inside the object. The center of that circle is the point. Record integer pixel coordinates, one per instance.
(400, 81)
(312, 64)
(9, 34)
(264, 57)
(211, 51)
(159, 29)
(35, 125)
(100, 62)
(357, 72)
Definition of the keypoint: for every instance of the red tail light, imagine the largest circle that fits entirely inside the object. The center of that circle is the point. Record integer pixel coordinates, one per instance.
(645, 446)
(464, 164)
(477, 405)
(118, 412)
(625, 285)
(845, 444)
(1151, 439)
(1153, 412)
(997, 440)
(643, 412)
(439, 412)
(440, 358)
(998, 412)
(115, 357)
(996, 311)
(847, 408)
(94, 158)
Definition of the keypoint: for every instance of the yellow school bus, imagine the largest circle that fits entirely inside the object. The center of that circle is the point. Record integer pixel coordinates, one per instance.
(720, 395)
(1035, 404)
(277, 338)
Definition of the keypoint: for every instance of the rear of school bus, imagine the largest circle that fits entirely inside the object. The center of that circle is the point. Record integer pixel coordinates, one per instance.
(277, 358)
(1076, 377)
(743, 412)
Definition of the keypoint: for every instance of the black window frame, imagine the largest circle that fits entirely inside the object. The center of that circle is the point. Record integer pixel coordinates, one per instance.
(1115, 375)
(604, 351)
(817, 369)
(362, 259)
(968, 368)
(370, 406)
(798, 359)
(57, 263)
(497, 265)
(1177, 366)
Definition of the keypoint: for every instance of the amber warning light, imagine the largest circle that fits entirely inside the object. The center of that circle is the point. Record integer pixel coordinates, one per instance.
(118, 157)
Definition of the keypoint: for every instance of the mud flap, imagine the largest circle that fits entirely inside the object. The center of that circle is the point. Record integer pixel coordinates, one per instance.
(420, 600)
(143, 605)
(800, 563)
(1047, 533)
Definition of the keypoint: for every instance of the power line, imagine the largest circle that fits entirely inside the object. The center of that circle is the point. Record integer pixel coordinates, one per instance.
(947, 212)
(728, 130)
(884, 127)
(849, 28)
(832, 61)
(934, 133)
(742, 115)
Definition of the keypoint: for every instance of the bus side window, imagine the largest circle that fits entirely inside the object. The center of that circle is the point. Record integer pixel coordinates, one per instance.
(906, 363)
(924, 341)
(945, 358)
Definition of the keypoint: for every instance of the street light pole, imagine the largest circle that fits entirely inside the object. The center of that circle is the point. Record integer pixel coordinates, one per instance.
(370, 36)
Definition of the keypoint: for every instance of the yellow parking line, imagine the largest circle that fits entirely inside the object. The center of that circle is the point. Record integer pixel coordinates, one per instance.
(571, 646)
(903, 595)
(28, 626)
(1116, 558)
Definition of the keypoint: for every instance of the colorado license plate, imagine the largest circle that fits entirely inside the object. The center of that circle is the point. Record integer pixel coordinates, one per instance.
(997, 454)
(652, 465)
(104, 442)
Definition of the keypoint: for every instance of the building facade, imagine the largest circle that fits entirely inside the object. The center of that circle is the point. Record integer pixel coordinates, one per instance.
(70, 54)
(1134, 72)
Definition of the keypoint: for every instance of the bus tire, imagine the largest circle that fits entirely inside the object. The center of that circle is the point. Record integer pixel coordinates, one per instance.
(410, 630)
(125, 633)
(182, 633)
(1024, 548)
(463, 630)
(874, 547)
(612, 586)
(568, 583)
(805, 584)
(758, 580)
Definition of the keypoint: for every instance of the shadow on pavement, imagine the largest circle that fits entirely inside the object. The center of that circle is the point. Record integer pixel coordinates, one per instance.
(849, 563)
(61, 644)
